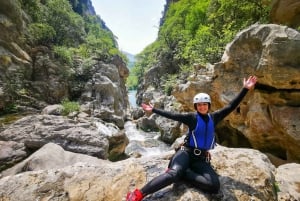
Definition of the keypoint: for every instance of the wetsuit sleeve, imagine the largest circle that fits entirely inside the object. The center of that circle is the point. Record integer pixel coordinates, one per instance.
(222, 113)
(186, 118)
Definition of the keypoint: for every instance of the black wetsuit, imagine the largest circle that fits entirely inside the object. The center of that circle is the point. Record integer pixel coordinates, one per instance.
(184, 165)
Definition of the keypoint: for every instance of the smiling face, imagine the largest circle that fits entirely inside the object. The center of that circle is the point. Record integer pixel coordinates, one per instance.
(202, 108)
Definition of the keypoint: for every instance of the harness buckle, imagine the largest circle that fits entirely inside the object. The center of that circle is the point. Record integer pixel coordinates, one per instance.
(197, 152)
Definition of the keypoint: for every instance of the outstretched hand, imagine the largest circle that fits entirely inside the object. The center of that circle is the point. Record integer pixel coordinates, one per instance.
(147, 108)
(250, 82)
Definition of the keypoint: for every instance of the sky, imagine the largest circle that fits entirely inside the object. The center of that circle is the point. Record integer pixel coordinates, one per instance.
(134, 22)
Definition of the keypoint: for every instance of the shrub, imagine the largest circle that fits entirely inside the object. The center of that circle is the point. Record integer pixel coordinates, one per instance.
(41, 33)
(5, 60)
(64, 53)
(169, 83)
(69, 106)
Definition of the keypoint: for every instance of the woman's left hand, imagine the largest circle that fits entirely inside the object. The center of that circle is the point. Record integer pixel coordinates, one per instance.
(250, 82)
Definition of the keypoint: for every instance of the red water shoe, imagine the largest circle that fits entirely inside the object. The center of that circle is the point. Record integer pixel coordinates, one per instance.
(135, 195)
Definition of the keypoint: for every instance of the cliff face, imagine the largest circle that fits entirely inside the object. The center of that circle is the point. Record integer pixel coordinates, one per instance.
(268, 118)
(14, 61)
(33, 75)
(83, 7)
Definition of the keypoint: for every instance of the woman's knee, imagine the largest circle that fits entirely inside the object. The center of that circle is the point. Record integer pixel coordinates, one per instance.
(214, 185)
(209, 184)
(212, 188)
(175, 173)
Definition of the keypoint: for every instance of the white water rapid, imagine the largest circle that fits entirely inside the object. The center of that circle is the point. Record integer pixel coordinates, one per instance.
(143, 143)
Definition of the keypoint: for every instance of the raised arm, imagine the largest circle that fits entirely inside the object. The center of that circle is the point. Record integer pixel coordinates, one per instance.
(185, 118)
(248, 84)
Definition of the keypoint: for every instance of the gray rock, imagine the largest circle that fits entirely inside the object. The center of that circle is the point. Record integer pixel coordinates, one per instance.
(245, 175)
(287, 181)
(11, 153)
(76, 136)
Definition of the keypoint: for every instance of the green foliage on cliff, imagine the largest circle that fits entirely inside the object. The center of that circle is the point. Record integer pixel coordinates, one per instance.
(41, 33)
(144, 61)
(54, 23)
(196, 31)
(64, 53)
(12, 9)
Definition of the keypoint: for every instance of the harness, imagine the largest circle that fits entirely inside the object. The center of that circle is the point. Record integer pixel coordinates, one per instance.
(201, 139)
(197, 153)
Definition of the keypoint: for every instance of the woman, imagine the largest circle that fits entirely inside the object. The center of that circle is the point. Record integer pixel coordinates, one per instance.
(192, 161)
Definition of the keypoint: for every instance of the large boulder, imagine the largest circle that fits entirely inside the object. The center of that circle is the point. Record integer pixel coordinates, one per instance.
(270, 113)
(11, 153)
(287, 182)
(286, 12)
(50, 156)
(79, 136)
(105, 93)
(268, 117)
(51, 172)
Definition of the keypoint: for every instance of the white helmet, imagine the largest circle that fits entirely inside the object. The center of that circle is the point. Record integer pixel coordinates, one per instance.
(202, 98)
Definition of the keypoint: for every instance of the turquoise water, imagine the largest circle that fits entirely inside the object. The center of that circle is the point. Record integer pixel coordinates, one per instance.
(131, 97)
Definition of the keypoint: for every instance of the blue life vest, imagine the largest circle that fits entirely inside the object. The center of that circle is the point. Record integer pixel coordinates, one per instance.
(203, 137)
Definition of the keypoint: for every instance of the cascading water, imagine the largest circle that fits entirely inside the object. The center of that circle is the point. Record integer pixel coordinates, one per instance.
(143, 143)
(131, 98)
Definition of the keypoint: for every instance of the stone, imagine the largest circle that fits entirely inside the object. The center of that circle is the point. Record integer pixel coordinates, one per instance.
(288, 181)
(11, 153)
(37, 130)
(245, 174)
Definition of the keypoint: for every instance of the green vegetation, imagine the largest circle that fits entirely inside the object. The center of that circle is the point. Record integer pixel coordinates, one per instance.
(144, 61)
(196, 31)
(170, 81)
(9, 109)
(5, 60)
(69, 106)
(132, 81)
(64, 53)
(276, 187)
(193, 31)
(41, 33)
(55, 24)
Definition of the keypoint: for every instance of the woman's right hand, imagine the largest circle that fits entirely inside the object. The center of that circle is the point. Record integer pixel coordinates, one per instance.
(147, 108)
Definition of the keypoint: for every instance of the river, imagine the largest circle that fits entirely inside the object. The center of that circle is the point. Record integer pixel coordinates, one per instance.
(143, 143)
(132, 98)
